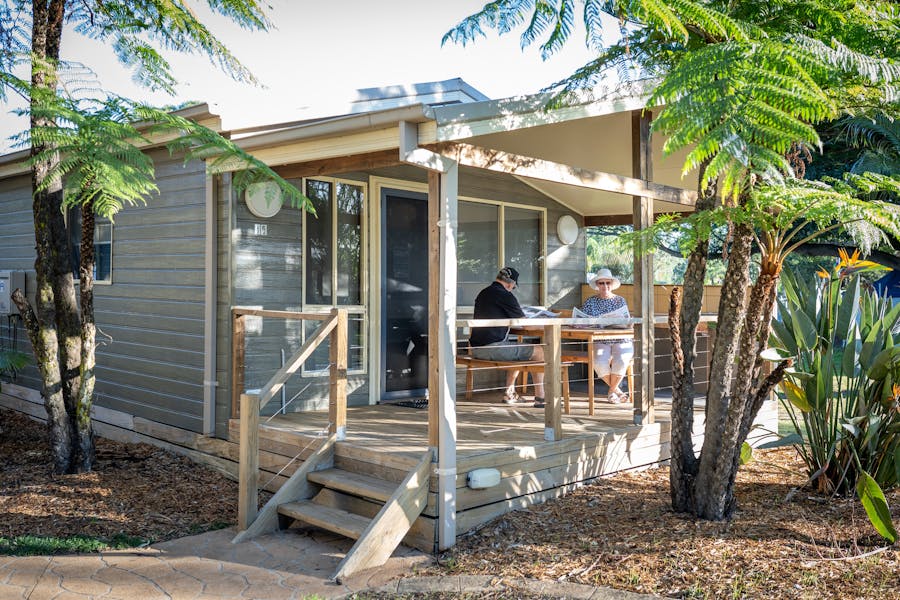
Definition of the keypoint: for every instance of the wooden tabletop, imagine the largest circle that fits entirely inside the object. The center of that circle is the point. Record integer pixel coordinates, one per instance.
(578, 333)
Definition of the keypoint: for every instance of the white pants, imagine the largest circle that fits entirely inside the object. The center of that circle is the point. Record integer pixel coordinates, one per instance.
(612, 358)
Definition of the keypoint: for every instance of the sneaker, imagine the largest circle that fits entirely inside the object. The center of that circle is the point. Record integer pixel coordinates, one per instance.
(538, 402)
(513, 398)
(617, 397)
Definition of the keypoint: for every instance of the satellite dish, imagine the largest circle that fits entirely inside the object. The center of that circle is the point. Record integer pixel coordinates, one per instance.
(263, 199)
(567, 229)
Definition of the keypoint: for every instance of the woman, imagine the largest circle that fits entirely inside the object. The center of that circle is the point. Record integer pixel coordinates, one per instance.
(612, 357)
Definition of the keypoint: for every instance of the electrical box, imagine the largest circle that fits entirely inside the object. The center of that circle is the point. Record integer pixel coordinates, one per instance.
(9, 281)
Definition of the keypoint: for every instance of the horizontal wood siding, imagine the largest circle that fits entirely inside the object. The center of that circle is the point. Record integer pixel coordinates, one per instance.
(151, 365)
(150, 319)
(266, 271)
(17, 254)
(224, 302)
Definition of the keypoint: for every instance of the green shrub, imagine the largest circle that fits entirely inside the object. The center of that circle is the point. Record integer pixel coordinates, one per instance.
(842, 394)
(32, 545)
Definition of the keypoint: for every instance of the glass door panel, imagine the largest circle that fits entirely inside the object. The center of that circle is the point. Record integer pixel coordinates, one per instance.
(404, 295)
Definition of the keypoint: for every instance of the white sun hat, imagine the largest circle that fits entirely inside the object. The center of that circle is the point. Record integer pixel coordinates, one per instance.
(604, 275)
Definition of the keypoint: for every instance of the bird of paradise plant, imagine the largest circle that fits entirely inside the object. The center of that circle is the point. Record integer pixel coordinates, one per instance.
(843, 392)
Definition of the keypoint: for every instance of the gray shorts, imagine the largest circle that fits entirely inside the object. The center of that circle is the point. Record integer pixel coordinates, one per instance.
(505, 350)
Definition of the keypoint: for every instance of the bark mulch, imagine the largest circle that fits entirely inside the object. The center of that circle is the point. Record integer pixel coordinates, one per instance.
(617, 532)
(135, 490)
(620, 532)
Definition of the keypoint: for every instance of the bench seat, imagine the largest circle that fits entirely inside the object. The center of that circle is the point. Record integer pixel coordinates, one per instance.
(581, 357)
(472, 364)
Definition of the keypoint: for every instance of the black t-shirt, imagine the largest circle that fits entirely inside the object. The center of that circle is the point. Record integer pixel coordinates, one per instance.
(494, 302)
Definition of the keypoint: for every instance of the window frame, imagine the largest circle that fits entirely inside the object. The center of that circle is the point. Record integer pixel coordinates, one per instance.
(362, 308)
(501, 238)
(98, 220)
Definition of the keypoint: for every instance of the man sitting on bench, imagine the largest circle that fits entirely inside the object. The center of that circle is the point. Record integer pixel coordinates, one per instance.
(496, 301)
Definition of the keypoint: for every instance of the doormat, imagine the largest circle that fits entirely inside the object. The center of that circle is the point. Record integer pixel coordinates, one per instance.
(411, 403)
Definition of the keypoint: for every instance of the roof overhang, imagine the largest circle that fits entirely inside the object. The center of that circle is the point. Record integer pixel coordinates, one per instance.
(592, 139)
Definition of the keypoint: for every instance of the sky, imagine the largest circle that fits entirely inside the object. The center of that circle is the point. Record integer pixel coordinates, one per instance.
(318, 53)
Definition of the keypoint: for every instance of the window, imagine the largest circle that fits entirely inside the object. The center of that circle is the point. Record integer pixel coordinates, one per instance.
(102, 245)
(333, 263)
(483, 246)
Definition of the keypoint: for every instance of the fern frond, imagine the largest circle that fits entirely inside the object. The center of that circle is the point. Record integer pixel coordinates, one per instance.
(592, 17)
(501, 15)
(541, 19)
(658, 14)
(151, 69)
(839, 56)
(563, 27)
(716, 25)
(173, 25)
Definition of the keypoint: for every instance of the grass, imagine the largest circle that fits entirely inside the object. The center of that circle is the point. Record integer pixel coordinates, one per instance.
(32, 545)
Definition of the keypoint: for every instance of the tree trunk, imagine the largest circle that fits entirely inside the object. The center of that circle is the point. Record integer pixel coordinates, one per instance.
(713, 489)
(684, 316)
(55, 293)
(88, 342)
(744, 403)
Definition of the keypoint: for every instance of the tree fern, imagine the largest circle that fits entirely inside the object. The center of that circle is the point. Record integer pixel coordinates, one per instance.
(132, 27)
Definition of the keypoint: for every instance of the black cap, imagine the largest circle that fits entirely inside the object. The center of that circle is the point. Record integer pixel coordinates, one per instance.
(509, 275)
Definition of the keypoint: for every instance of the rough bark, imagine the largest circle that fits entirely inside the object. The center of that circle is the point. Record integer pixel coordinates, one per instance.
(55, 316)
(744, 403)
(85, 397)
(683, 466)
(49, 227)
(684, 317)
(710, 486)
(43, 343)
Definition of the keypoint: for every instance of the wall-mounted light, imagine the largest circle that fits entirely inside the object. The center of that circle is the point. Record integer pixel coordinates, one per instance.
(263, 199)
(567, 229)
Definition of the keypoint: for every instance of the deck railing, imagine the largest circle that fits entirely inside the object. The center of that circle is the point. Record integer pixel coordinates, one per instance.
(552, 343)
(334, 328)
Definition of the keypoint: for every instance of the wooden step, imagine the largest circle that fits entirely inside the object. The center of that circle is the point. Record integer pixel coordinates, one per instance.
(354, 483)
(332, 519)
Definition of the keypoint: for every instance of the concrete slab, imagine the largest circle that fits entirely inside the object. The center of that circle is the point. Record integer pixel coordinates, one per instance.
(288, 565)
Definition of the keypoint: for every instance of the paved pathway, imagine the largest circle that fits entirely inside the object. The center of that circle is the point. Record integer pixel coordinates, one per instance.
(284, 565)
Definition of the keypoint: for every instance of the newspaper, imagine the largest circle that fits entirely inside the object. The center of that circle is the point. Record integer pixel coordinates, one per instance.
(536, 312)
(620, 314)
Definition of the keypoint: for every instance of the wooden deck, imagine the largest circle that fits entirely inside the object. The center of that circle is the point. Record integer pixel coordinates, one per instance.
(483, 426)
(386, 441)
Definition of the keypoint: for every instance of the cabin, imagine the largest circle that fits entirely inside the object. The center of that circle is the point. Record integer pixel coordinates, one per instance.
(317, 356)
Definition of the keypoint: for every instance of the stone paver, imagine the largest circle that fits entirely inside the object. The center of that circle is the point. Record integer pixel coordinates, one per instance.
(287, 565)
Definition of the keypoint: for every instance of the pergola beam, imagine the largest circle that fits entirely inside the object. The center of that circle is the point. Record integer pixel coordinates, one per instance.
(341, 164)
(545, 170)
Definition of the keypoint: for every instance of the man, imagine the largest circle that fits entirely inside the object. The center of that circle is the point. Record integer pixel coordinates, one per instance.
(496, 301)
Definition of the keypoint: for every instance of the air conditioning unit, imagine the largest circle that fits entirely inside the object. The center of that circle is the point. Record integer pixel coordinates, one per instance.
(9, 281)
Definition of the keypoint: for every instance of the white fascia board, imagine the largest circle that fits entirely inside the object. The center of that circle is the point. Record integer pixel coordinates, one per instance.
(463, 121)
(335, 126)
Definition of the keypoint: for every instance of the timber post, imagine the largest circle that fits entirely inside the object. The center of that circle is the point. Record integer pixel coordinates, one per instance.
(337, 398)
(237, 361)
(248, 470)
(552, 386)
(642, 168)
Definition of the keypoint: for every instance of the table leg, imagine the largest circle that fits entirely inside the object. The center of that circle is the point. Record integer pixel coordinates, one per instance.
(590, 376)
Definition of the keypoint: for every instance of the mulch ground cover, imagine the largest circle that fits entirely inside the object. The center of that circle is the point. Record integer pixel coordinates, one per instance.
(617, 532)
(621, 532)
(135, 490)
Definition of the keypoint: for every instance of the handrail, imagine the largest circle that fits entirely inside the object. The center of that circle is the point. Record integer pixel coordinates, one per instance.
(295, 362)
(334, 326)
(282, 314)
(544, 321)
